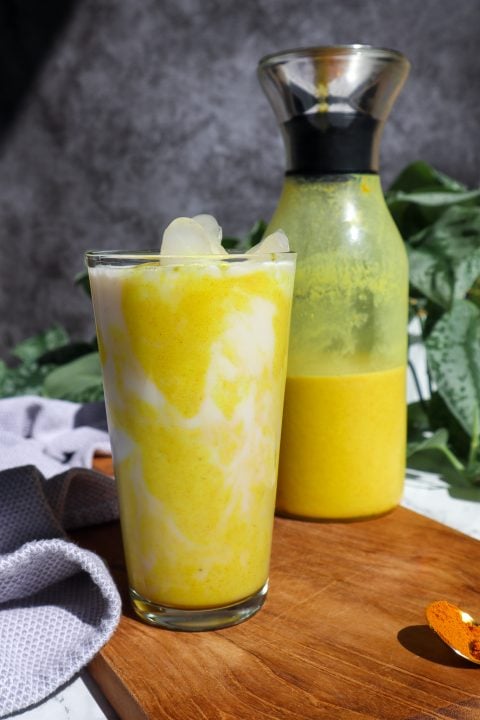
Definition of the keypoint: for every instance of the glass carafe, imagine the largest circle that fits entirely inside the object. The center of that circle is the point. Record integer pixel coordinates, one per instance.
(344, 426)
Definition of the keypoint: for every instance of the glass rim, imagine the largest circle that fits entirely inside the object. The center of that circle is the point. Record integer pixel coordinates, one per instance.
(332, 51)
(156, 256)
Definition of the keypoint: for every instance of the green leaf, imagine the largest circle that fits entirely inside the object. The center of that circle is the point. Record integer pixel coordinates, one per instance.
(67, 353)
(83, 281)
(420, 175)
(32, 348)
(434, 455)
(421, 194)
(433, 199)
(435, 461)
(256, 233)
(418, 421)
(445, 257)
(432, 314)
(474, 443)
(440, 416)
(458, 223)
(453, 355)
(78, 379)
(252, 237)
(3, 372)
(235, 244)
(473, 473)
(431, 275)
(25, 379)
(474, 293)
(437, 441)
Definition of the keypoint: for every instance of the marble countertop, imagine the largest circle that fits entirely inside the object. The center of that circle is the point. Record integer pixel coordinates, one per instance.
(80, 699)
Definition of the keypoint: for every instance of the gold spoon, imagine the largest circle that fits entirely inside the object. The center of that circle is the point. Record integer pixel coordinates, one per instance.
(456, 628)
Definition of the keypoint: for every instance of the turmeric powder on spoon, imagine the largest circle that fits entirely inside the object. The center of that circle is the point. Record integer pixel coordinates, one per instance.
(456, 628)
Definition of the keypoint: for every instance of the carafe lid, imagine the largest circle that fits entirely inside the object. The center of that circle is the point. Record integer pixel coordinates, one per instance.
(332, 102)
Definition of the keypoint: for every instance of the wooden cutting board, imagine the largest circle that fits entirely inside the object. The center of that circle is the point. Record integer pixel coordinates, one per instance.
(342, 635)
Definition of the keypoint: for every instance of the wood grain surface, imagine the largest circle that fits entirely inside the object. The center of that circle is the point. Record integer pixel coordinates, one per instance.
(342, 635)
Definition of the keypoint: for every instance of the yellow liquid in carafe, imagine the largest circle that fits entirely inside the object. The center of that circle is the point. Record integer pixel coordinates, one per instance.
(343, 445)
(343, 440)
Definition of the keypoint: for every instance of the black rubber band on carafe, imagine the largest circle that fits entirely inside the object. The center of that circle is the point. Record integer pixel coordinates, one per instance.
(332, 143)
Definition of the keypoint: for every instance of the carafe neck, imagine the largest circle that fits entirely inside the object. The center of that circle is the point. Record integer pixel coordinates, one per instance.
(331, 143)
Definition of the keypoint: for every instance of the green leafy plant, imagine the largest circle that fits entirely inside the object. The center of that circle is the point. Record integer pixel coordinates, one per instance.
(50, 365)
(439, 220)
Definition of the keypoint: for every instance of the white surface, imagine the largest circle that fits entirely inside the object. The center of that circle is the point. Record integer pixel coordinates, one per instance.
(75, 701)
(429, 495)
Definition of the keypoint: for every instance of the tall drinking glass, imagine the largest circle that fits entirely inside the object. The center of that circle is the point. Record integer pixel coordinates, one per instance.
(194, 354)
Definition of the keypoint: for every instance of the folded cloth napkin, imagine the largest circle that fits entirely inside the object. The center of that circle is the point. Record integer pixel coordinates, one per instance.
(58, 602)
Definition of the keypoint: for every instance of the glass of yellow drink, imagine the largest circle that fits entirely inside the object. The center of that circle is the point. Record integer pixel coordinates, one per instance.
(194, 354)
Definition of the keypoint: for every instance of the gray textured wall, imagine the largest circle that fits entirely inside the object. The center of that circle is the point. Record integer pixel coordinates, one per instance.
(143, 110)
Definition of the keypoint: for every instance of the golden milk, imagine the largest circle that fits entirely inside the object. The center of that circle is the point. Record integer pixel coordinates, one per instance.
(343, 445)
(343, 442)
(194, 360)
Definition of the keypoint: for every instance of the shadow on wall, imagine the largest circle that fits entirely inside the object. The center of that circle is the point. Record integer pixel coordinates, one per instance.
(28, 32)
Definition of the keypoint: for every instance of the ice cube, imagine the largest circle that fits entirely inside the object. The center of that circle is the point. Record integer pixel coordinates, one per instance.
(210, 224)
(188, 236)
(276, 242)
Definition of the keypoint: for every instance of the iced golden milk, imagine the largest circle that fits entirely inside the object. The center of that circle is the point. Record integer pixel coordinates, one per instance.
(194, 353)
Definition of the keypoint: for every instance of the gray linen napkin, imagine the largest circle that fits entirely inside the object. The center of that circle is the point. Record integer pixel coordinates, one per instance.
(58, 602)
